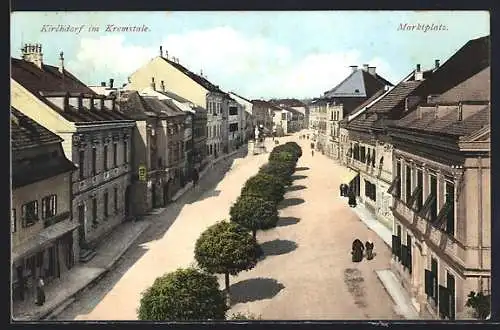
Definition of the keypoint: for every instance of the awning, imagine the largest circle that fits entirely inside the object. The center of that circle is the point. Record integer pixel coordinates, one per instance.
(347, 175)
(45, 236)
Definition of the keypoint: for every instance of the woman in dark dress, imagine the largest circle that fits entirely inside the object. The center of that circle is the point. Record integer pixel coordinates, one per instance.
(352, 199)
(369, 250)
(357, 250)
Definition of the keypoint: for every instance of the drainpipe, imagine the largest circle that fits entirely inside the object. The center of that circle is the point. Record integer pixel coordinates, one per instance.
(480, 218)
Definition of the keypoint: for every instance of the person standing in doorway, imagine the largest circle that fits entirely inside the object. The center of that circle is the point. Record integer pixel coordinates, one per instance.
(40, 292)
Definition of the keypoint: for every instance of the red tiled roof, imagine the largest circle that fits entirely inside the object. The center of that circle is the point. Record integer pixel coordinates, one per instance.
(197, 78)
(46, 79)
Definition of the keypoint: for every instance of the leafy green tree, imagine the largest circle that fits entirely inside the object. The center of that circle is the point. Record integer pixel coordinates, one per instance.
(183, 295)
(281, 170)
(226, 248)
(295, 147)
(254, 213)
(480, 303)
(265, 186)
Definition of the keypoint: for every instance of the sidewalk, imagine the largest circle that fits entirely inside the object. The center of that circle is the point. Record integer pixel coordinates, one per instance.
(369, 220)
(62, 291)
(81, 276)
(403, 305)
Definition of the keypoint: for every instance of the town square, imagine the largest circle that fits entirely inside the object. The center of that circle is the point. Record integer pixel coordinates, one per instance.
(237, 168)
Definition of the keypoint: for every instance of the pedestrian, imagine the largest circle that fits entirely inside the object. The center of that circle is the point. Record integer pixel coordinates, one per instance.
(342, 189)
(357, 250)
(352, 199)
(196, 177)
(369, 250)
(40, 292)
(312, 152)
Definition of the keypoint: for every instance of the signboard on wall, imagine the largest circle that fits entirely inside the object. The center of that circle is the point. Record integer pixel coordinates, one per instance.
(142, 173)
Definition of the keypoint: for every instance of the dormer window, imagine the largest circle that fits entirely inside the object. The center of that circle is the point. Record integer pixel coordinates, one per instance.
(356, 91)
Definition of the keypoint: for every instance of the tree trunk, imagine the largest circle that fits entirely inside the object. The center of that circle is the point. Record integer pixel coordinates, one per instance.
(228, 299)
(254, 232)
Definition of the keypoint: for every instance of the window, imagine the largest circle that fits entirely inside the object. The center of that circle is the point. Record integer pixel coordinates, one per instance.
(362, 154)
(420, 193)
(106, 203)
(233, 111)
(215, 133)
(233, 127)
(105, 158)
(400, 171)
(450, 285)
(81, 164)
(408, 258)
(395, 188)
(283, 116)
(13, 221)
(49, 206)
(115, 154)
(115, 200)
(125, 152)
(94, 159)
(94, 211)
(434, 271)
(373, 158)
(370, 190)
(408, 183)
(29, 213)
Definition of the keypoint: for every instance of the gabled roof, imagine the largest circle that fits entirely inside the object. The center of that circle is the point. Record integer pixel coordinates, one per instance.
(265, 104)
(196, 78)
(359, 83)
(27, 133)
(171, 109)
(46, 79)
(241, 97)
(133, 105)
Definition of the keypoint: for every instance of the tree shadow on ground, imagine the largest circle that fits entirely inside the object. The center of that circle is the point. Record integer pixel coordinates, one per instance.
(302, 168)
(254, 289)
(295, 188)
(287, 221)
(290, 202)
(277, 247)
(89, 299)
(298, 177)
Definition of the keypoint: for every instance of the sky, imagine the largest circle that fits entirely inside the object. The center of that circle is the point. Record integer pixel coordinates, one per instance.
(298, 54)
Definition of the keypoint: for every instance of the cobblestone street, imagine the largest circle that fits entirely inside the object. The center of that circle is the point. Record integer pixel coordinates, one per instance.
(307, 271)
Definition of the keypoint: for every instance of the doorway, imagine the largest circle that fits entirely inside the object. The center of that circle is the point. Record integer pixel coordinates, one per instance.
(165, 194)
(127, 202)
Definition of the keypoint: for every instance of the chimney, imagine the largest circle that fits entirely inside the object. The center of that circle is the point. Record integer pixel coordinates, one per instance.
(33, 53)
(460, 111)
(436, 64)
(419, 75)
(111, 81)
(354, 68)
(61, 63)
(166, 54)
(365, 67)
(372, 70)
(201, 72)
(103, 84)
(153, 85)
(162, 86)
(161, 51)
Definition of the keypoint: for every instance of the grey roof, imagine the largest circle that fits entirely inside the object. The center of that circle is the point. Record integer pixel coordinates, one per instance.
(359, 83)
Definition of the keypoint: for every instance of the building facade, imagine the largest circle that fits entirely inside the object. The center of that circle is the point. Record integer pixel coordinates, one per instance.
(247, 124)
(43, 234)
(97, 137)
(441, 188)
(166, 73)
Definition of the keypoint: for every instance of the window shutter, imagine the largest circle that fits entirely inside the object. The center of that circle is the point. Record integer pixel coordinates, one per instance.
(36, 209)
(444, 302)
(394, 244)
(428, 283)
(404, 256)
(44, 208)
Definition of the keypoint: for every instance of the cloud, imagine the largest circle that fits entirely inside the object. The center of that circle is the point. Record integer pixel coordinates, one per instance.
(251, 65)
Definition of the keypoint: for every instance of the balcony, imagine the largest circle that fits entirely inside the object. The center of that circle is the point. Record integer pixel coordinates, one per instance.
(55, 219)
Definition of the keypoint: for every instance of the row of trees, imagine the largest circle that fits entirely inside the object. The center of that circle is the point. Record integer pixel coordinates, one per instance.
(227, 247)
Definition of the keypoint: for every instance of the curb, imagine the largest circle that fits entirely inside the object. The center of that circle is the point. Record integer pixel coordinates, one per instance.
(59, 308)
